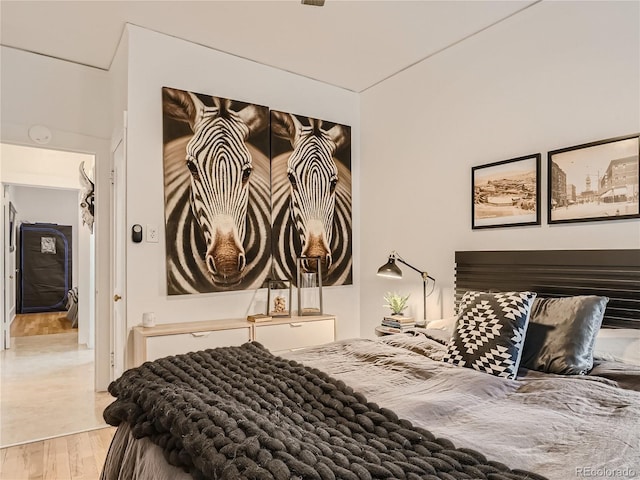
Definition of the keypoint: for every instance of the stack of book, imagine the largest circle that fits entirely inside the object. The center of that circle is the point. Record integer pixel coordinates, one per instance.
(259, 317)
(398, 323)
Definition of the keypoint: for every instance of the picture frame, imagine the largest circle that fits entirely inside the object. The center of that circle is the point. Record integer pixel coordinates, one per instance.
(594, 181)
(279, 298)
(506, 193)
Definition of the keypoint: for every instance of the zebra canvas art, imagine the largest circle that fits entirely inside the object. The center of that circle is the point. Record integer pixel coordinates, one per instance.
(311, 196)
(217, 193)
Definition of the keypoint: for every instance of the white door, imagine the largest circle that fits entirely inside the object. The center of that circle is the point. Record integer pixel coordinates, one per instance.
(118, 229)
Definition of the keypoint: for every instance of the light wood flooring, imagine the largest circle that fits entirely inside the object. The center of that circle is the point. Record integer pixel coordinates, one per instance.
(73, 457)
(27, 324)
(47, 389)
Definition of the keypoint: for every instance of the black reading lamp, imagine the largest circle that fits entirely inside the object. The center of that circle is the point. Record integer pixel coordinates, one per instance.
(391, 270)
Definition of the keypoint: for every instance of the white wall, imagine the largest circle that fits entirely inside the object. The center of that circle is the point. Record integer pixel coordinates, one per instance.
(73, 102)
(37, 166)
(46, 205)
(157, 60)
(558, 74)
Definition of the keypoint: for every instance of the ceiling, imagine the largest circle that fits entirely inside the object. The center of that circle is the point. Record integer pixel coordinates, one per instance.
(349, 44)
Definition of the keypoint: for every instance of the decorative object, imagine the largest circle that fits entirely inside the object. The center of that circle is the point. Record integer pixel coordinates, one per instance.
(490, 331)
(594, 181)
(391, 270)
(148, 319)
(309, 286)
(277, 171)
(396, 303)
(216, 163)
(397, 322)
(279, 298)
(562, 332)
(48, 245)
(506, 193)
(12, 227)
(259, 317)
(86, 198)
(311, 183)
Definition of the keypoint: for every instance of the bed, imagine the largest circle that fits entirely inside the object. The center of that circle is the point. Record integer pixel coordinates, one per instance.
(393, 407)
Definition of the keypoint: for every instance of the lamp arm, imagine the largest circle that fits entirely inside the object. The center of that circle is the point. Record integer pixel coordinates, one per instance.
(424, 275)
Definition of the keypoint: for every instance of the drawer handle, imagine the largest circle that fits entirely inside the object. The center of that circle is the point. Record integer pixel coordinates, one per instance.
(200, 334)
(299, 324)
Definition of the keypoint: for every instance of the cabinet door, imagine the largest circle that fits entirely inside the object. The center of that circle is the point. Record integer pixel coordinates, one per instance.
(289, 336)
(165, 345)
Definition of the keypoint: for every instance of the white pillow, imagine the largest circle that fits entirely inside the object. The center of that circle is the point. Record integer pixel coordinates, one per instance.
(621, 344)
(446, 324)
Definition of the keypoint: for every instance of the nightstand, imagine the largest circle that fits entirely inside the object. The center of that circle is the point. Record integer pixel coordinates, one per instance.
(381, 331)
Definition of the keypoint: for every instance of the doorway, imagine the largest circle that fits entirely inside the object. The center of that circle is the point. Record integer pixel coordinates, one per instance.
(48, 363)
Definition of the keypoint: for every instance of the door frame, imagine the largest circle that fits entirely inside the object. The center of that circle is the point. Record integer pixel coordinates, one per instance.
(118, 253)
(9, 302)
(100, 150)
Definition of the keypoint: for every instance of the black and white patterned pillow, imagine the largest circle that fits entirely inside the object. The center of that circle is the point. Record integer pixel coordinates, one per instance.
(490, 330)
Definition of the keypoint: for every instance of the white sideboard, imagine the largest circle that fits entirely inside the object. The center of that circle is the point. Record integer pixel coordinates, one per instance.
(297, 332)
(278, 334)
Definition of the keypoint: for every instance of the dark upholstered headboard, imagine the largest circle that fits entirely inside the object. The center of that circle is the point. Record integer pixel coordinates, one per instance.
(559, 273)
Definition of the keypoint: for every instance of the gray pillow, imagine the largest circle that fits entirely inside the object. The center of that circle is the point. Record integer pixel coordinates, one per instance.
(561, 334)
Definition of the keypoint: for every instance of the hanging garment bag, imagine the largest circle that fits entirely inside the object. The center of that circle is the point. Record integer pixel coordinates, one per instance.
(45, 267)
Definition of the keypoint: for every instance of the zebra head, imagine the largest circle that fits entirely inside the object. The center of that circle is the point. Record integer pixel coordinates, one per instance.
(220, 166)
(313, 178)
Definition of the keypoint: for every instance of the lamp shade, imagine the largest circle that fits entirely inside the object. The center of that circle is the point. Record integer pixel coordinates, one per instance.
(390, 269)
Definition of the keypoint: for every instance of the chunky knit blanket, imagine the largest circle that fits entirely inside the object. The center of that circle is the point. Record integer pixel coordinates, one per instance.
(240, 412)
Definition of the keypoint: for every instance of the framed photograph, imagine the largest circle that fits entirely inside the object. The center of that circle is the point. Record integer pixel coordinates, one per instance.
(506, 193)
(279, 298)
(595, 181)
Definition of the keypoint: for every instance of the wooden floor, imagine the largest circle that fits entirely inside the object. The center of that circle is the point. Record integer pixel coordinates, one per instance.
(73, 457)
(27, 324)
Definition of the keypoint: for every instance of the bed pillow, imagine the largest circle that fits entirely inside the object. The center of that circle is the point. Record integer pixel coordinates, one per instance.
(561, 334)
(619, 344)
(445, 324)
(490, 331)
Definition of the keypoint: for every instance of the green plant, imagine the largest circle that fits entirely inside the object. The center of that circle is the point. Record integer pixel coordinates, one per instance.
(396, 302)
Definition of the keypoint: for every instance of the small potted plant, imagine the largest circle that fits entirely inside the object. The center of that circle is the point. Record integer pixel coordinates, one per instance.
(396, 302)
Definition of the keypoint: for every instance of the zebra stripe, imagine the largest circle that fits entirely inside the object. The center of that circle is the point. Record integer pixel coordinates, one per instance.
(287, 243)
(310, 170)
(219, 162)
(186, 244)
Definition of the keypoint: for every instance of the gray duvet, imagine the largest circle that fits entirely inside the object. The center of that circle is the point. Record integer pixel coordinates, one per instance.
(561, 427)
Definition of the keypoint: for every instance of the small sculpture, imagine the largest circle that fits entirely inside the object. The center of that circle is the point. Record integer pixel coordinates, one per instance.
(86, 198)
(279, 304)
